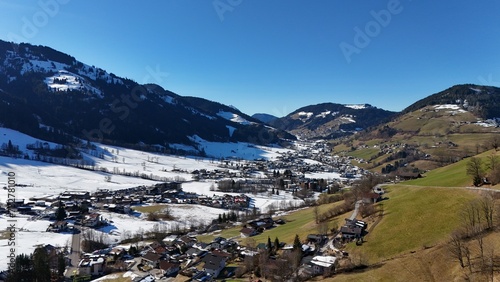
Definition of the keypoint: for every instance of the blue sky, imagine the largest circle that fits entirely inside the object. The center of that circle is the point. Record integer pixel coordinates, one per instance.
(274, 56)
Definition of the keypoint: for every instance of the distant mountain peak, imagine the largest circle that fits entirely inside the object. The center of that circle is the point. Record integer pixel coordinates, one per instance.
(265, 118)
(330, 120)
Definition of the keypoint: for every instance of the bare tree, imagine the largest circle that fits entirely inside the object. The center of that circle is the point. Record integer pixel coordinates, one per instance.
(250, 243)
(493, 161)
(480, 244)
(471, 218)
(493, 165)
(367, 210)
(495, 142)
(488, 210)
(316, 214)
(456, 247)
(323, 228)
(467, 254)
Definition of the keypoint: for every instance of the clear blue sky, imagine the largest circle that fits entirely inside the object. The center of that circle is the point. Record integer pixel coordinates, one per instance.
(274, 56)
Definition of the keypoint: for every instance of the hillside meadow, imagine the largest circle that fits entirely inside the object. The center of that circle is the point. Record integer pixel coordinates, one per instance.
(453, 175)
(414, 218)
(301, 222)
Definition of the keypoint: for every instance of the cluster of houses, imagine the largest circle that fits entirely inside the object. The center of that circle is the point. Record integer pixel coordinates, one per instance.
(291, 161)
(166, 258)
(77, 204)
(185, 255)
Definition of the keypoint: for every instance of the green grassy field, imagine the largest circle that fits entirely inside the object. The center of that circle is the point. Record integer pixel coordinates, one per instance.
(453, 175)
(149, 209)
(414, 217)
(449, 176)
(300, 222)
(365, 153)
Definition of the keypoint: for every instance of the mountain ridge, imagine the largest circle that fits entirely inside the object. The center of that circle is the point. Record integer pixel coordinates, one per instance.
(60, 97)
(331, 120)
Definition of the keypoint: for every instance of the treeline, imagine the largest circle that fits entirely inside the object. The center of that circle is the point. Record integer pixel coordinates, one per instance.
(229, 185)
(41, 266)
(289, 205)
(346, 206)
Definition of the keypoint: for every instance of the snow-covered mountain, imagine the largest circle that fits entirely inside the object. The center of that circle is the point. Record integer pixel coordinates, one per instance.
(482, 101)
(53, 96)
(329, 120)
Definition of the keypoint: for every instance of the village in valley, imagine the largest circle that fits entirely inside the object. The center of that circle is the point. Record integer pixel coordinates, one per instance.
(158, 231)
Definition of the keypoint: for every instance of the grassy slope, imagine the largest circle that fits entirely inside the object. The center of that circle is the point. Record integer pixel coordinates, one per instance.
(453, 175)
(414, 217)
(365, 153)
(449, 176)
(433, 264)
(300, 222)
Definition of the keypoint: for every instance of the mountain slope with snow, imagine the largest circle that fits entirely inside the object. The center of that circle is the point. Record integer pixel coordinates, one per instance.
(53, 96)
(329, 120)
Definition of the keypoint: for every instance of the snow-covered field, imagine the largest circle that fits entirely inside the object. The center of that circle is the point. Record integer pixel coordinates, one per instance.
(43, 179)
(29, 234)
(451, 107)
(261, 201)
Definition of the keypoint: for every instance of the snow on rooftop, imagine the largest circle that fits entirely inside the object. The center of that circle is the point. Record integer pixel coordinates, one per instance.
(324, 261)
